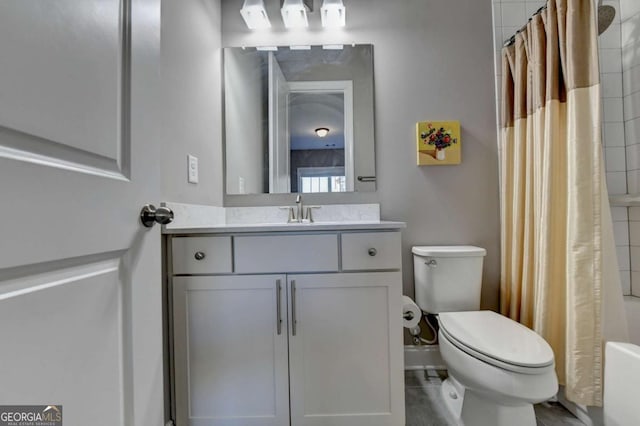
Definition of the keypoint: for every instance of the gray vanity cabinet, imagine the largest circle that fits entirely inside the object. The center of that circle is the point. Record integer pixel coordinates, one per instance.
(309, 334)
(231, 364)
(345, 357)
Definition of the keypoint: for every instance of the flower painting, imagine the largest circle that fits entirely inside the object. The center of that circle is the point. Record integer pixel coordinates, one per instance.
(438, 142)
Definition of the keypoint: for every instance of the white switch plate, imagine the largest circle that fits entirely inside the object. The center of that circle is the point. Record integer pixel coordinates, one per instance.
(192, 169)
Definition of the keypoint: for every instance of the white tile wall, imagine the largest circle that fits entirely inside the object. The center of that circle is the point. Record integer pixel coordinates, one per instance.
(632, 181)
(613, 110)
(632, 106)
(621, 234)
(631, 80)
(617, 182)
(513, 14)
(614, 134)
(634, 252)
(612, 102)
(610, 60)
(612, 85)
(610, 39)
(630, 42)
(616, 159)
(629, 8)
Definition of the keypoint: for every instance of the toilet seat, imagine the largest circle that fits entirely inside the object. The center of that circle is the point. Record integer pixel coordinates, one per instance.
(497, 340)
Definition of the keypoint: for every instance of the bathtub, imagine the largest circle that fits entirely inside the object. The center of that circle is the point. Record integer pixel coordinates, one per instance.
(621, 378)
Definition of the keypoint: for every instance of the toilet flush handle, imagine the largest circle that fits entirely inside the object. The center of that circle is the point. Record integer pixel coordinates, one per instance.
(431, 262)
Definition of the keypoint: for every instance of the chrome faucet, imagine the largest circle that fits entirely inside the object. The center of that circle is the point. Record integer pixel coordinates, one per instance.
(299, 215)
(299, 208)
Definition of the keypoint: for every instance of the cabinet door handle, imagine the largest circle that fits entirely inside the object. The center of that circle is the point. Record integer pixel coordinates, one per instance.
(294, 321)
(199, 255)
(372, 251)
(278, 307)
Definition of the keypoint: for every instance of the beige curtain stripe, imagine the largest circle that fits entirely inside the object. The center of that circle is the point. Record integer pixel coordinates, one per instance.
(506, 101)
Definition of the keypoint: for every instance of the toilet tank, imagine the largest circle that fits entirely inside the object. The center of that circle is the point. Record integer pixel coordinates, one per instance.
(448, 278)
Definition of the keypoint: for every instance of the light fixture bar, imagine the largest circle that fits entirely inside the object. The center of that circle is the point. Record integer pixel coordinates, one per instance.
(294, 14)
(255, 15)
(332, 14)
(267, 48)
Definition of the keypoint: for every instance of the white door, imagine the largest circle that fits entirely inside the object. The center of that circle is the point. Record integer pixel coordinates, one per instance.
(80, 288)
(345, 350)
(279, 157)
(230, 347)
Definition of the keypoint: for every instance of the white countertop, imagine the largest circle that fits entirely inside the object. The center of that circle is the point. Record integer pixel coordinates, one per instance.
(288, 227)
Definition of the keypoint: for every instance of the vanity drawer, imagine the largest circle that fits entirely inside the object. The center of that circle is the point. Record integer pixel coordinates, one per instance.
(286, 253)
(201, 255)
(371, 251)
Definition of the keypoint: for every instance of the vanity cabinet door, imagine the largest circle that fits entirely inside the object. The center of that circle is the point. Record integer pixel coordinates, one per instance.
(230, 352)
(345, 349)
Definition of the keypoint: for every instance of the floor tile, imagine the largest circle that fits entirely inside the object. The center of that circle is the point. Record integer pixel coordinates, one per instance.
(554, 414)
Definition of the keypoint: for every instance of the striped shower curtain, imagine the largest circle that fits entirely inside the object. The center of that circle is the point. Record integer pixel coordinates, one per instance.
(557, 241)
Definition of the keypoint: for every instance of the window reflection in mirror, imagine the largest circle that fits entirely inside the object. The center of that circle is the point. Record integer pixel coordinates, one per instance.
(274, 103)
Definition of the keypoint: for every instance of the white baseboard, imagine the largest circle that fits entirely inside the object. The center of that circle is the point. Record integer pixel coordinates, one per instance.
(423, 357)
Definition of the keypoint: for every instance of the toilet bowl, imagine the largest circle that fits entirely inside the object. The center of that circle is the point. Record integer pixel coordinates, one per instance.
(503, 367)
(497, 367)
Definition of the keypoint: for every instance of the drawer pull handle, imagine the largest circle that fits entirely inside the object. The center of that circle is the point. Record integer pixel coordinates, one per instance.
(294, 319)
(200, 255)
(278, 307)
(372, 251)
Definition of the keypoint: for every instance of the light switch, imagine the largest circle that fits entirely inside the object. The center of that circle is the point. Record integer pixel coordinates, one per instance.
(192, 169)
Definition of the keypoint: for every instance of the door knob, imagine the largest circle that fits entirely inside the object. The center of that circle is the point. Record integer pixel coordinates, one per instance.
(149, 215)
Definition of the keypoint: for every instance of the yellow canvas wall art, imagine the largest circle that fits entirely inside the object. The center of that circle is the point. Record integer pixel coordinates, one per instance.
(438, 143)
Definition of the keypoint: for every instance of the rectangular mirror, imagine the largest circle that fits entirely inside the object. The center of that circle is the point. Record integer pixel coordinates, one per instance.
(299, 119)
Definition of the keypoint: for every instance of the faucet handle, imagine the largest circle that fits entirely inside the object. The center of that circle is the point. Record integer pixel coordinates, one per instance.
(308, 216)
(292, 214)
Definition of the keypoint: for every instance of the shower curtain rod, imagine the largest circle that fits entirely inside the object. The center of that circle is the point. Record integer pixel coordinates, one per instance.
(512, 39)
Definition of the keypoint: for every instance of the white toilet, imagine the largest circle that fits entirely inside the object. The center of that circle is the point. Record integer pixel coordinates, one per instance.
(497, 367)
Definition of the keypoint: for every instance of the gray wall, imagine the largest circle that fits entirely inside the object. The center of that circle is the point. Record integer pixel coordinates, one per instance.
(191, 121)
(433, 60)
(243, 122)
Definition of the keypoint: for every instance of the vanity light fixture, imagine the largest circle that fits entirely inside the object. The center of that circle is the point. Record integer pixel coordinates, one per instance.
(322, 132)
(267, 48)
(300, 47)
(255, 15)
(332, 14)
(294, 14)
(332, 46)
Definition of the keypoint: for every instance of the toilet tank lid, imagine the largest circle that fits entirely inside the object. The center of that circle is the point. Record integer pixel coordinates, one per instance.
(448, 251)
